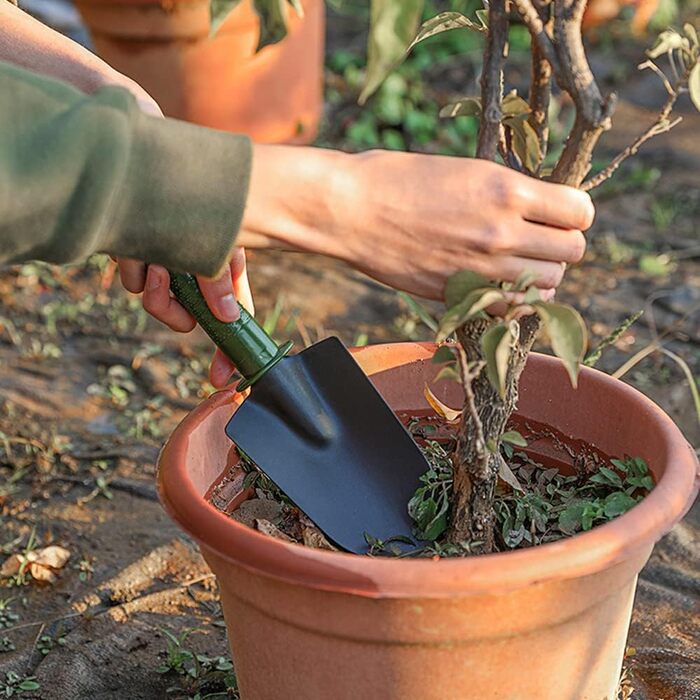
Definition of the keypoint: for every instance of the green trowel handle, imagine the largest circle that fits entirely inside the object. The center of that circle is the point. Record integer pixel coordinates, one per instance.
(244, 341)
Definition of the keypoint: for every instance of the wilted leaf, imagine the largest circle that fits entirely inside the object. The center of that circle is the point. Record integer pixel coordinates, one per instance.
(268, 528)
(392, 27)
(219, 10)
(451, 415)
(495, 345)
(668, 41)
(567, 333)
(526, 144)
(505, 473)
(444, 22)
(474, 303)
(467, 107)
(298, 7)
(42, 573)
(483, 17)
(315, 539)
(514, 438)
(11, 566)
(514, 106)
(694, 85)
(461, 283)
(52, 556)
(692, 35)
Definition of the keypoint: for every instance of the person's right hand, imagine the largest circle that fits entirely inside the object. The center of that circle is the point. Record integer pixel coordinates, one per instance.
(411, 220)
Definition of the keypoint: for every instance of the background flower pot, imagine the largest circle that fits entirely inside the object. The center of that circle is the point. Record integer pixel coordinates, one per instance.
(274, 96)
(538, 624)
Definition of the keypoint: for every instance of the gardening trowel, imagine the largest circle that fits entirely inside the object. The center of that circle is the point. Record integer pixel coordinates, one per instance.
(315, 424)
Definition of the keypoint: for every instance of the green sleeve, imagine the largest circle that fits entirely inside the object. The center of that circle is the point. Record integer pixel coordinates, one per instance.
(83, 174)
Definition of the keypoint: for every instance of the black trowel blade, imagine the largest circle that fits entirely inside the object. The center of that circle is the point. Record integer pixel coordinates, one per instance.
(319, 429)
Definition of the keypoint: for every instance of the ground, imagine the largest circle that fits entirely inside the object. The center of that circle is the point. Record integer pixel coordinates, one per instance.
(90, 388)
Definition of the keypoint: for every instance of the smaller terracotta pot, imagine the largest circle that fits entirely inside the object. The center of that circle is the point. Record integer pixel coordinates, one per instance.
(274, 96)
(545, 623)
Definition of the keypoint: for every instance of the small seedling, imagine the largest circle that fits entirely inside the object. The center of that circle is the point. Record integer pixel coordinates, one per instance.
(47, 643)
(6, 645)
(7, 617)
(14, 685)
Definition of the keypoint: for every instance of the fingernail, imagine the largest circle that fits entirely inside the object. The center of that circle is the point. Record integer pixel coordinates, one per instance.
(228, 307)
(153, 278)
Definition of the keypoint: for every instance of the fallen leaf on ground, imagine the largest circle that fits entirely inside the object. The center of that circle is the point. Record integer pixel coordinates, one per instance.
(42, 564)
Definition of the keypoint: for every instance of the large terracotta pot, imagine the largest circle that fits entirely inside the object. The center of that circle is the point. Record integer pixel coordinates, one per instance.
(274, 96)
(547, 623)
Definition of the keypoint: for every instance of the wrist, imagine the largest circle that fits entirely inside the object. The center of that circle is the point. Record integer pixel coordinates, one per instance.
(297, 199)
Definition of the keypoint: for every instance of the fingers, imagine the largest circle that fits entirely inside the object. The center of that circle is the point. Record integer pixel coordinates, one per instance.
(241, 285)
(556, 205)
(552, 244)
(507, 268)
(220, 296)
(160, 304)
(220, 370)
(132, 274)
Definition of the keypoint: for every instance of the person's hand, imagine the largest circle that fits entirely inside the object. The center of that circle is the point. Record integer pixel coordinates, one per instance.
(411, 220)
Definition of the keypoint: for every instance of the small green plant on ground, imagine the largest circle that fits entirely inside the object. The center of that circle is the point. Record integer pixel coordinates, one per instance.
(14, 685)
(48, 643)
(198, 676)
(8, 618)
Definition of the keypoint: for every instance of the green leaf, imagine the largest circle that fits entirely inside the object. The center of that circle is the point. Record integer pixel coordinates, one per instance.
(483, 17)
(449, 373)
(462, 283)
(273, 21)
(571, 518)
(495, 345)
(392, 27)
(567, 333)
(219, 10)
(444, 22)
(467, 107)
(514, 438)
(618, 503)
(694, 85)
(443, 354)
(475, 302)
(607, 477)
(419, 310)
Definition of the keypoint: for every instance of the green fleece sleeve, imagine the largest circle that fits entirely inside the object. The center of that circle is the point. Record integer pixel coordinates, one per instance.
(83, 174)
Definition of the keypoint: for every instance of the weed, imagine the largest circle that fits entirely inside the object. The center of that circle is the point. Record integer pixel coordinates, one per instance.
(7, 617)
(47, 644)
(6, 645)
(14, 684)
(199, 676)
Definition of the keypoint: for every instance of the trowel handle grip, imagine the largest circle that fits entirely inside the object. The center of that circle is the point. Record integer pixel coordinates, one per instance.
(244, 341)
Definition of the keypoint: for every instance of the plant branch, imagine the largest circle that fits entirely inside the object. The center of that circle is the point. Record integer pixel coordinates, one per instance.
(470, 401)
(540, 82)
(495, 52)
(660, 126)
(574, 75)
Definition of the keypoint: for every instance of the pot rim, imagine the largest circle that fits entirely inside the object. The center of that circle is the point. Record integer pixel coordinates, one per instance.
(378, 577)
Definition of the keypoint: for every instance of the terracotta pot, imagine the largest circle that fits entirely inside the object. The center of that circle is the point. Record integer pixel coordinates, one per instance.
(274, 96)
(535, 624)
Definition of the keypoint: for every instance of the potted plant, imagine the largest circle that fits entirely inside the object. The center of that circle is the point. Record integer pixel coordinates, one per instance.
(526, 589)
(248, 66)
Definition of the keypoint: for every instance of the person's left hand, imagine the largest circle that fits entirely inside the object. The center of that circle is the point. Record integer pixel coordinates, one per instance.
(222, 296)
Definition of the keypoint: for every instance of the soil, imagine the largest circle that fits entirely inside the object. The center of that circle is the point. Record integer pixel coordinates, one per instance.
(90, 389)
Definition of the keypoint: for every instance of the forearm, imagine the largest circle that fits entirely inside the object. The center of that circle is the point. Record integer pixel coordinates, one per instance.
(26, 42)
(83, 174)
(298, 200)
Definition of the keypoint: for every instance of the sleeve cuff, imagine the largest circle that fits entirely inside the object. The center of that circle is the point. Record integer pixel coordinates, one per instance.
(183, 196)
